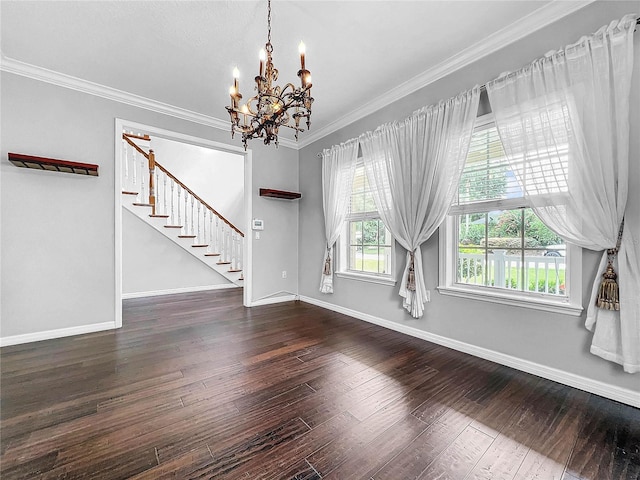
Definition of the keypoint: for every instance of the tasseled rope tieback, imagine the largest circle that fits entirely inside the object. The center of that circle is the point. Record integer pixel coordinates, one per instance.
(608, 293)
(327, 263)
(411, 278)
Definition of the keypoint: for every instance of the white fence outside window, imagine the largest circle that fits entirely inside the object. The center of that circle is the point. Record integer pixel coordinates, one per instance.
(546, 272)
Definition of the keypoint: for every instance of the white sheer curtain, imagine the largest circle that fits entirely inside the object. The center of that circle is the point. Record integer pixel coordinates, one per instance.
(564, 123)
(338, 167)
(413, 168)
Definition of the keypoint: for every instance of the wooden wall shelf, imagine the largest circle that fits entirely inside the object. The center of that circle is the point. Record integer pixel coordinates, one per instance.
(41, 163)
(269, 192)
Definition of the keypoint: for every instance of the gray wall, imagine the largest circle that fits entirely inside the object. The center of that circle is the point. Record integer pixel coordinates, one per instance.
(552, 340)
(57, 239)
(280, 221)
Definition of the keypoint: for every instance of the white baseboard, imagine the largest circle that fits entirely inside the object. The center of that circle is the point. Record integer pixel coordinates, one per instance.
(171, 291)
(271, 300)
(58, 333)
(623, 395)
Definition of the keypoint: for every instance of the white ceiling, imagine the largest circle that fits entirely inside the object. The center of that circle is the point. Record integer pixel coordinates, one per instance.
(182, 53)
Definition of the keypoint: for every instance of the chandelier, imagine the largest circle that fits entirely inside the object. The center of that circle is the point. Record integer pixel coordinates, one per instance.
(273, 107)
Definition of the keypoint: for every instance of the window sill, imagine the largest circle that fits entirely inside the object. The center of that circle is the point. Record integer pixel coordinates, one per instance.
(367, 278)
(536, 302)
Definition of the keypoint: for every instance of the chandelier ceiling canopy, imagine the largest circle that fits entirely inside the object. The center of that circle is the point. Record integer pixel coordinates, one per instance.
(273, 106)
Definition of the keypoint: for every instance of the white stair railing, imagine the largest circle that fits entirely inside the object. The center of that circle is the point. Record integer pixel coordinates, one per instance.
(181, 206)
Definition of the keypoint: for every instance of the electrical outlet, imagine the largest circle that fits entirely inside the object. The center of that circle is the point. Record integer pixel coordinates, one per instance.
(257, 235)
(284, 274)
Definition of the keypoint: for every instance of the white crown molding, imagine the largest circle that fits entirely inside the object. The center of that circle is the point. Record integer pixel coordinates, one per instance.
(619, 394)
(536, 20)
(17, 67)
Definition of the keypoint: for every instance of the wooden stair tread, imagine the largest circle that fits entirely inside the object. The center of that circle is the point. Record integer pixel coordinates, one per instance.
(186, 236)
(234, 271)
(211, 254)
(158, 216)
(223, 263)
(124, 192)
(172, 226)
(143, 205)
(200, 245)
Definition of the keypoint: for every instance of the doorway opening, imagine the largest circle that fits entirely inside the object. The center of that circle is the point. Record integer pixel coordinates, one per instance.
(195, 193)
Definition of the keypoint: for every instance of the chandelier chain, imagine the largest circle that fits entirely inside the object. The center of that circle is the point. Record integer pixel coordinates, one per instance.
(269, 22)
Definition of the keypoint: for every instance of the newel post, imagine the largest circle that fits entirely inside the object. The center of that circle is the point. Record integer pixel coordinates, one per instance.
(152, 190)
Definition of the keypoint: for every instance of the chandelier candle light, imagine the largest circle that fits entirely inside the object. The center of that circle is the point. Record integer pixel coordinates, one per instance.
(273, 106)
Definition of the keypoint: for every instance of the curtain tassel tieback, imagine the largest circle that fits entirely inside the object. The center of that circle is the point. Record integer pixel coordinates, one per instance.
(327, 265)
(608, 293)
(411, 278)
(608, 296)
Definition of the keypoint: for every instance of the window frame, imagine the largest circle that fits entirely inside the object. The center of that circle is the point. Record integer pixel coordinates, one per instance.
(341, 251)
(569, 304)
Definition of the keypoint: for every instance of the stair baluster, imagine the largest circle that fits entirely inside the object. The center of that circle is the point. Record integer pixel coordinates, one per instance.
(230, 259)
(240, 251)
(218, 249)
(222, 250)
(198, 239)
(172, 217)
(211, 247)
(204, 225)
(186, 209)
(234, 252)
(134, 165)
(192, 229)
(143, 198)
(205, 212)
(179, 197)
(223, 246)
(226, 242)
(164, 192)
(238, 243)
(125, 166)
(157, 190)
(231, 253)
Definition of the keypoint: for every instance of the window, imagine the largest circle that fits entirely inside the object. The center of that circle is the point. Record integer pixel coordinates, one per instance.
(366, 248)
(493, 247)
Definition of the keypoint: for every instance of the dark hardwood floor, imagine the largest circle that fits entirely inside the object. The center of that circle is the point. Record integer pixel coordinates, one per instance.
(195, 386)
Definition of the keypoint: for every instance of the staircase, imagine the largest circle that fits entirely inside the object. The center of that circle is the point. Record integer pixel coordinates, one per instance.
(156, 196)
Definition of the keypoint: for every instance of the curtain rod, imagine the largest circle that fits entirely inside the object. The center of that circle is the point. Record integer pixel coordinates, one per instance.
(484, 85)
